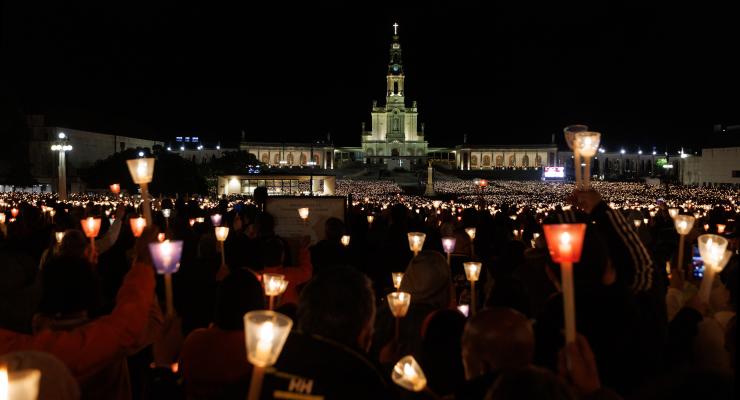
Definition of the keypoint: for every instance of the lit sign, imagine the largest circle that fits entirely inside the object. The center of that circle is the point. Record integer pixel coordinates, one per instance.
(178, 138)
(554, 172)
(195, 139)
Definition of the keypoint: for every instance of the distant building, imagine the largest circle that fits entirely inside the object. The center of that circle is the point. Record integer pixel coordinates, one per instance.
(715, 166)
(395, 139)
(87, 147)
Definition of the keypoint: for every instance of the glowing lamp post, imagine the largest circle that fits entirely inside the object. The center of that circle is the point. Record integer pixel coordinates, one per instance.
(408, 374)
(303, 213)
(91, 227)
(221, 233)
(472, 273)
(62, 146)
(565, 242)
(166, 258)
(399, 303)
(683, 224)
(137, 226)
(142, 170)
(416, 241)
(471, 235)
(397, 278)
(19, 385)
(115, 188)
(587, 144)
(712, 249)
(265, 333)
(275, 285)
(448, 244)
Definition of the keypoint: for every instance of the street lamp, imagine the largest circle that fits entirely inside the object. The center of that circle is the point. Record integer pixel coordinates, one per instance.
(62, 146)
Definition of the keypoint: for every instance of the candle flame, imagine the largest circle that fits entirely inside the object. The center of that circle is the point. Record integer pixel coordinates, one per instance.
(408, 371)
(141, 168)
(4, 384)
(267, 332)
(565, 238)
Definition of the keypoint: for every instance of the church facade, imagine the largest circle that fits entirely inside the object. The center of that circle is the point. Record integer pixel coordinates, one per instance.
(394, 139)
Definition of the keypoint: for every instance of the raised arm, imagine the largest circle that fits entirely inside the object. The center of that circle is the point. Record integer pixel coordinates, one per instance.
(92, 346)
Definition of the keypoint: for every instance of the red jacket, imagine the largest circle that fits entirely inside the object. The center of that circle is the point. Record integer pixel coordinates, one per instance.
(295, 275)
(95, 345)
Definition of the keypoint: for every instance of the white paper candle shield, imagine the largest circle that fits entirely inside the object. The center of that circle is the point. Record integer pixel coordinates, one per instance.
(399, 303)
(408, 374)
(265, 334)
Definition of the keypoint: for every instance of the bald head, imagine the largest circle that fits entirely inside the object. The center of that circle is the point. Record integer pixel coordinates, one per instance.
(497, 339)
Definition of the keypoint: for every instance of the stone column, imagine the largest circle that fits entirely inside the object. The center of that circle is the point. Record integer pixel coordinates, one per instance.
(430, 181)
(329, 185)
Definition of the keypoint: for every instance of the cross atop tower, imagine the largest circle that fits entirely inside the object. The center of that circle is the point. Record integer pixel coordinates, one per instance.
(395, 28)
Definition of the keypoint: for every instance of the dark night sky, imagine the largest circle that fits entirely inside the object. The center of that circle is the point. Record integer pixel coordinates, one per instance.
(638, 73)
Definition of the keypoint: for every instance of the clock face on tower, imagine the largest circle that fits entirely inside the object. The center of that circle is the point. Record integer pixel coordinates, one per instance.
(396, 67)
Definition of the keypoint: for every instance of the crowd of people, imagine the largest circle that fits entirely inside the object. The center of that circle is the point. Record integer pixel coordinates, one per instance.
(88, 312)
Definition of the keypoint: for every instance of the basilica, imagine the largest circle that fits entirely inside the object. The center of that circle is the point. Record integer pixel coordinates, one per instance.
(396, 139)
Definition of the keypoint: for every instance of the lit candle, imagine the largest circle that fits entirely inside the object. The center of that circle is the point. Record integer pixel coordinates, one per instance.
(472, 273)
(471, 234)
(345, 240)
(142, 171)
(303, 213)
(448, 244)
(216, 219)
(370, 219)
(115, 188)
(398, 303)
(14, 212)
(397, 277)
(408, 374)
(19, 385)
(137, 226)
(587, 144)
(166, 258)
(565, 242)
(274, 285)
(721, 228)
(265, 333)
(59, 236)
(416, 241)
(673, 212)
(712, 249)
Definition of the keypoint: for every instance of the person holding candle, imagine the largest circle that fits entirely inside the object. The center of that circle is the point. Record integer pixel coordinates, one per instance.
(330, 252)
(273, 258)
(336, 313)
(494, 341)
(88, 348)
(427, 279)
(212, 359)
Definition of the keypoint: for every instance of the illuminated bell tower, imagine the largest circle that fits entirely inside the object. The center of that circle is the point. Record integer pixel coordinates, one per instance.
(395, 77)
(394, 139)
